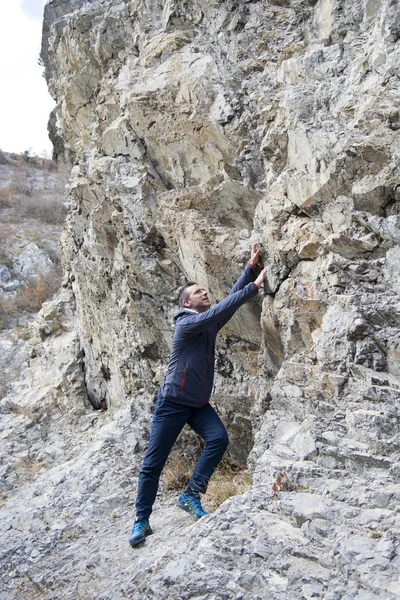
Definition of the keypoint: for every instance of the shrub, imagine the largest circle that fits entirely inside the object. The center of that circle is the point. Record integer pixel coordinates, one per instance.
(48, 210)
(30, 296)
(228, 480)
(38, 290)
(177, 472)
(28, 202)
(48, 164)
(5, 311)
(22, 184)
(5, 198)
(24, 195)
(5, 258)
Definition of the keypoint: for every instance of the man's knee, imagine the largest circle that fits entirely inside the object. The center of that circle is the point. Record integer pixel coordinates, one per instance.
(221, 441)
(153, 465)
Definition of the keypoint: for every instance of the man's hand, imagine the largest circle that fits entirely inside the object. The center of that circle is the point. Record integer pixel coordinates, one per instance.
(255, 256)
(260, 279)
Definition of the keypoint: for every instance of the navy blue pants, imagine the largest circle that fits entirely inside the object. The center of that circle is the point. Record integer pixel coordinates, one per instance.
(168, 421)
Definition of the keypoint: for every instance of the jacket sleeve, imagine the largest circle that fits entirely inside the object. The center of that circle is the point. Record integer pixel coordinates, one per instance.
(246, 277)
(195, 323)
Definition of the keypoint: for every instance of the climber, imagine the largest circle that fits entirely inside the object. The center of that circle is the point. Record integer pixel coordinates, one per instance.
(184, 396)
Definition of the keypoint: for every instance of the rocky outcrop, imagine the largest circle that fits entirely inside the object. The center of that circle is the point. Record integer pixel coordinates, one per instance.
(31, 217)
(189, 130)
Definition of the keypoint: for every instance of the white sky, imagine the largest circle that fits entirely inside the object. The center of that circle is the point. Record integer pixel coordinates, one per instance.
(25, 103)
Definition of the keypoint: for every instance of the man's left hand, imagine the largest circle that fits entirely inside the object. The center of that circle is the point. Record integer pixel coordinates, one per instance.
(255, 256)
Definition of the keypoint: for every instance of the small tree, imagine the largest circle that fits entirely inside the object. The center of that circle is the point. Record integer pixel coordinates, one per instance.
(26, 155)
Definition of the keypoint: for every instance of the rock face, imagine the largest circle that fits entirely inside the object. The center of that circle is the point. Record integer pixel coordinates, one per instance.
(31, 217)
(187, 130)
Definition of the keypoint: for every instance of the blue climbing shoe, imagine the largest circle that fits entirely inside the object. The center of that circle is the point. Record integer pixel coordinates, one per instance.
(192, 505)
(140, 530)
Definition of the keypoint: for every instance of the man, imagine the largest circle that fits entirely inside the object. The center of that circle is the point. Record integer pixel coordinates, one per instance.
(184, 397)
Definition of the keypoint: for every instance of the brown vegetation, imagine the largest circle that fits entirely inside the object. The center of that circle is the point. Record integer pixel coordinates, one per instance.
(5, 198)
(228, 480)
(29, 193)
(29, 202)
(281, 483)
(30, 296)
(38, 162)
(178, 472)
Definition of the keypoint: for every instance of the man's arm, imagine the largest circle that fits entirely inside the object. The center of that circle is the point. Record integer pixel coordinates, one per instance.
(195, 323)
(250, 272)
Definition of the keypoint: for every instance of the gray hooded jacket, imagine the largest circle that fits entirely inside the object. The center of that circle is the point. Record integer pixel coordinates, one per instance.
(190, 375)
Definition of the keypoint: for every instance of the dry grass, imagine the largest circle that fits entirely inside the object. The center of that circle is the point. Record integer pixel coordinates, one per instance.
(27, 468)
(22, 183)
(38, 290)
(30, 202)
(21, 160)
(5, 258)
(46, 210)
(30, 297)
(31, 194)
(18, 409)
(177, 472)
(5, 198)
(228, 480)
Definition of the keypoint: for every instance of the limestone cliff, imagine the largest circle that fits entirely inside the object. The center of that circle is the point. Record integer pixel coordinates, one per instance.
(186, 131)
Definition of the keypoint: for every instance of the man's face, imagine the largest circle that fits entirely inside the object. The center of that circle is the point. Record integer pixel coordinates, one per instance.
(197, 299)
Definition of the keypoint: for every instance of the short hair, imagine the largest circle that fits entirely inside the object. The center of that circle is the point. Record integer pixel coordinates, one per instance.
(183, 292)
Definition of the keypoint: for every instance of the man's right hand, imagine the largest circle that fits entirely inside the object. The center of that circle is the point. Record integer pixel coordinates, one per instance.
(260, 279)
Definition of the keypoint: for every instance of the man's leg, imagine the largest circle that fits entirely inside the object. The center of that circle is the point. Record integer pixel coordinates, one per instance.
(209, 426)
(168, 421)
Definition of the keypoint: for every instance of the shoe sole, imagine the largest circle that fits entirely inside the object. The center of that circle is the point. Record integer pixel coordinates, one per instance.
(136, 541)
(187, 509)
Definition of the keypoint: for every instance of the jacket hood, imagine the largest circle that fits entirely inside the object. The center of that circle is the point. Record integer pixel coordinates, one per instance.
(181, 313)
